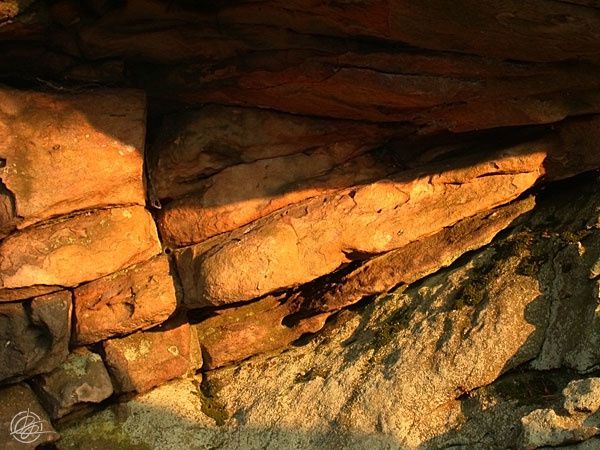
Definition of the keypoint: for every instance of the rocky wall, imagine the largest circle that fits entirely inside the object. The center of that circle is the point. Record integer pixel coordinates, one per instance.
(299, 224)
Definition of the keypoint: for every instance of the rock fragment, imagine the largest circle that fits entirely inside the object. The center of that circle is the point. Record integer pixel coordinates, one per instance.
(81, 379)
(76, 249)
(142, 360)
(132, 299)
(34, 335)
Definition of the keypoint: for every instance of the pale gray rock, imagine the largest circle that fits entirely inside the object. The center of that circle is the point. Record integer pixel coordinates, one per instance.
(82, 378)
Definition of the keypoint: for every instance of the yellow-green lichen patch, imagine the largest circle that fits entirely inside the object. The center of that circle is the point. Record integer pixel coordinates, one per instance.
(99, 432)
(137, 349)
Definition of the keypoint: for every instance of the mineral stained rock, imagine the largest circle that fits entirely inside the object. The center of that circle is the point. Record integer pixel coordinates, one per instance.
(135, 298)
(271, 323)
(76, 249)
(146, 359)
(194, 145)
(81, 379)
(93, 144)
(442, 362)
(34, 335)
(21, 413)
(317, 236)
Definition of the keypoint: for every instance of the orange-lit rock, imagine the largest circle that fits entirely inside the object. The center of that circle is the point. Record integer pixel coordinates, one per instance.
(76, 249)
(145, 359)
(135, 298)
(191, 146)
(317, 236)
(69, 152)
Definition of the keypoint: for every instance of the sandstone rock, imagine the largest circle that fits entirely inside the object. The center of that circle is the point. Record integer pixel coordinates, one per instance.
(241, 194)
(92, 141)
(76, 249)
(271, 323)
(529, 35)
(237, 333)
(194, 145)
(34, 335)
(135, 298)
(317, 236)
(583, 396)
(80, 379)
(24, 423)
(145, 359)
(441, 363)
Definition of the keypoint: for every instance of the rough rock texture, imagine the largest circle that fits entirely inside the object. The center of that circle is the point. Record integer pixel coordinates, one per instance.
(79, 380)
(192, 146)
(20, 407)
(317, 236)
(272, 323)
(34, 335)
(76, 249)
(145, 359)
(135, 298)
(583, 396)
(94, 143)
(448, 361)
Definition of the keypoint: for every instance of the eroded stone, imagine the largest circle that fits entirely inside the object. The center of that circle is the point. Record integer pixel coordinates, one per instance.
(76, 249)
(79, 380)
(34, 335)
(317, 236)
(93, 142)
(135, 298)
(146, 359)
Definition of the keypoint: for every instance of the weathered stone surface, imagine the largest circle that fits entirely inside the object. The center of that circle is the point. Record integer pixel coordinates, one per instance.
(544, 427)
(317, 236)
(145, 359)
(244, 164)
(76, 249)
(34, 335)
(194, 145)
(441, 363)
(271, 323)
(237, 333)
(80, 379)
(582, 396)
(135, 298)
(94, 143)
(406, 370)
(32, 426)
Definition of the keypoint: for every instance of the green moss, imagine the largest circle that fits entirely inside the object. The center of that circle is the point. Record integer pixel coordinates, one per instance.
(391, 327)
(210, 403)
(99, 432)
(573, 238)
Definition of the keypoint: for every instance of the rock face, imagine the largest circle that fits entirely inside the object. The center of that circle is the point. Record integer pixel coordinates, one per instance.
(34, 335)
(135, 298)
(81, 138)
(272, 323)
(299, 224)
(76, 249)
(316, 237)
(446, 361)
(145, 359)
(81, 379)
